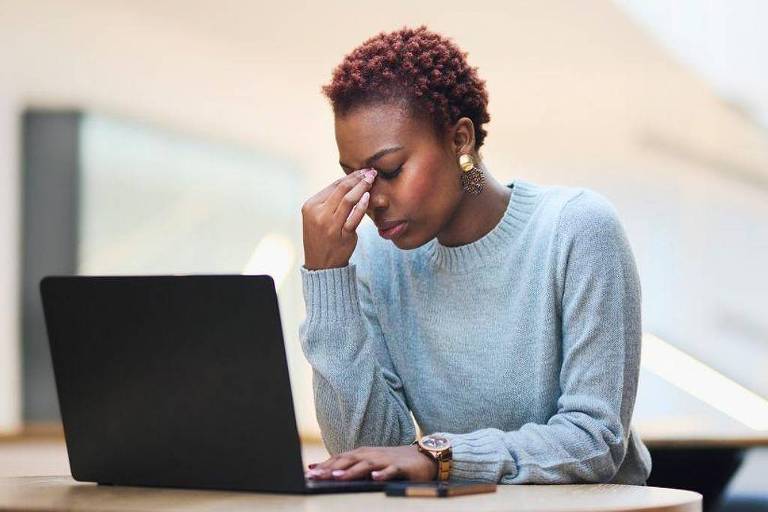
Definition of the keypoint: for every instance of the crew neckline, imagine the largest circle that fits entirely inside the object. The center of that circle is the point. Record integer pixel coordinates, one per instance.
(490, 246)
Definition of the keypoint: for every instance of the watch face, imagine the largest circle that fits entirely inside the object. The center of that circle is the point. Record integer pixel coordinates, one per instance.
(435, 443)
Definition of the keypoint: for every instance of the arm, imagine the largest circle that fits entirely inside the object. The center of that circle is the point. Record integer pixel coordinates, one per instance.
(586, 440)
(359, 398)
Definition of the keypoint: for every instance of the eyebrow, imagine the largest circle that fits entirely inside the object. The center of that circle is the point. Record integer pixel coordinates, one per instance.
(376, 156)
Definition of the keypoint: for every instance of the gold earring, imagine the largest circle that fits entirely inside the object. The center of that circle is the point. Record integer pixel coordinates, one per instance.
(472, 177)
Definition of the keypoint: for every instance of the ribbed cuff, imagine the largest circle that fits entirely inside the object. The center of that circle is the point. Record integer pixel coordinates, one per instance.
(330, 295)
(480, 456)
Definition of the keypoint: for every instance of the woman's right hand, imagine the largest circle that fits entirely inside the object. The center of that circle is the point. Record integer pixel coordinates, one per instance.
(331, 217)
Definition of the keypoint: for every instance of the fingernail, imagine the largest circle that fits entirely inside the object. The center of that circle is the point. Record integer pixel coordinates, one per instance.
(375, 474)
(365, 197)
(338, 472)
(370, 175)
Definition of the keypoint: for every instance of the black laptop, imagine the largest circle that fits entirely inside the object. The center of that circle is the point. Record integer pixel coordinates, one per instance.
(177, 381)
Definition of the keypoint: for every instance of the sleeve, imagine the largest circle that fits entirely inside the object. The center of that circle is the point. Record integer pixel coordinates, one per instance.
(359, 398)
(585, 441)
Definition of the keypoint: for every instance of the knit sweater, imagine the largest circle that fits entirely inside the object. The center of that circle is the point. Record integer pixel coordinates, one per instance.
(522, 347)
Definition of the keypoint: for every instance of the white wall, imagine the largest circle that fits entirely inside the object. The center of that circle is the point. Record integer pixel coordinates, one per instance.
(10, 377)
(575, 90)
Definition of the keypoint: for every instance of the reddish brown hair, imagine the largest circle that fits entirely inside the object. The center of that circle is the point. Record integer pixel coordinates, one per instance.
(424, 69)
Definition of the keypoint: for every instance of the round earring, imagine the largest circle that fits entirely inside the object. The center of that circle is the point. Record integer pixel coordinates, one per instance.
(472, 177)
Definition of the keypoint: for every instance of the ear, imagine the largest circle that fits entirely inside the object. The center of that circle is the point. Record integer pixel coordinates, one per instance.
(463, 136)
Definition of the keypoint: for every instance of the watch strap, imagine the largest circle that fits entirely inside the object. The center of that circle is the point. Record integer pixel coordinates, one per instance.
(444, 465)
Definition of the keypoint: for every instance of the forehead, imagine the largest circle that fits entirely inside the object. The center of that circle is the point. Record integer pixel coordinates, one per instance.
(366, 129)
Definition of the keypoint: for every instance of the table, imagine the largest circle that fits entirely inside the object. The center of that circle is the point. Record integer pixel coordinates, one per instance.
(54, 493)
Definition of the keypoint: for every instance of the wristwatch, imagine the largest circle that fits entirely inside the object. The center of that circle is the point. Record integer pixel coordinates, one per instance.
(439, 449)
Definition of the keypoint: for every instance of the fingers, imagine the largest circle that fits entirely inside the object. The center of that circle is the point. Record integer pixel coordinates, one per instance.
(378, 463)
(358, 211)
(348, 193)
(324, 470)
(388, 473)
(354, 464)
(345, 200)
(359, 471)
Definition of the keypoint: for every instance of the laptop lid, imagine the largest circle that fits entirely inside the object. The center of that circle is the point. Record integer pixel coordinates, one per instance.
(177, 381)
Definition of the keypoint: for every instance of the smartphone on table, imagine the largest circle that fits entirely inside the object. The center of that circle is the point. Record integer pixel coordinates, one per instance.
(441, 489)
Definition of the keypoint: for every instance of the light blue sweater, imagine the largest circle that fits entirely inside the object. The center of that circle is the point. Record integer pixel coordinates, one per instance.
(523, 347)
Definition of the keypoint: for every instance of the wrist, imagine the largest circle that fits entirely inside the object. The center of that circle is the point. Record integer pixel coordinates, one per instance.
(314, 260)
(438, 448)
(327, 266)
(430, 464)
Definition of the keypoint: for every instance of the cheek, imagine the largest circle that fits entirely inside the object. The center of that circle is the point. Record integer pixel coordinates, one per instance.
(428, 193)
(418, 192)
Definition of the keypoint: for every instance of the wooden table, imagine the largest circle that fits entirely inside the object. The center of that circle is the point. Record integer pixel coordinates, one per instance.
(61, 493)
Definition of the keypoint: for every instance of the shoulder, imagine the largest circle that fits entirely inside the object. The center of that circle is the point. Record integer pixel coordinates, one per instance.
(587, 211)
(577, 215)
(567, 212)
(588, 225)
(560, 202)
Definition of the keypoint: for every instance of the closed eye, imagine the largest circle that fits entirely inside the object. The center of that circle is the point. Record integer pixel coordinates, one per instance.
(388, 175)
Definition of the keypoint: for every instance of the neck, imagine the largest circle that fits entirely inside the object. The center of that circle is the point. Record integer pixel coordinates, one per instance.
(475, 216)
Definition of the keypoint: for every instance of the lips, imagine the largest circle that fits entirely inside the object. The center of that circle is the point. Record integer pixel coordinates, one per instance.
(391, 229)
(388, 224)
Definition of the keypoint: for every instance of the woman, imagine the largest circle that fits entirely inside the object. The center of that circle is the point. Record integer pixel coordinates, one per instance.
(504, 318)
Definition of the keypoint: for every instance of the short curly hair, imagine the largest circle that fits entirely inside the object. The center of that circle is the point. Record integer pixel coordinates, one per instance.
(424, 69)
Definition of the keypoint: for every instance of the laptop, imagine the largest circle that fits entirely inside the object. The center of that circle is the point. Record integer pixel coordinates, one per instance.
(177, 381)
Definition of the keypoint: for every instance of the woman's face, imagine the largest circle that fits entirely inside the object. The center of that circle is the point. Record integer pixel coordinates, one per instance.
(418, 175)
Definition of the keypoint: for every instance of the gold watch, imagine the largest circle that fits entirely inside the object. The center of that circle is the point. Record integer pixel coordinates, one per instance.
(437, 448)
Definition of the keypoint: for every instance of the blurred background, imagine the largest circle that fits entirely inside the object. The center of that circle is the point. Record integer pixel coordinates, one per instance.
(182, 137)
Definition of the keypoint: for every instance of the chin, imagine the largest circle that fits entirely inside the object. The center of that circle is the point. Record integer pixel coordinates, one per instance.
(406, 242)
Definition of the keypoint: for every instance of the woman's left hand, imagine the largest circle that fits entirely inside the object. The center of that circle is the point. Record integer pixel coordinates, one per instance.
(378, 463)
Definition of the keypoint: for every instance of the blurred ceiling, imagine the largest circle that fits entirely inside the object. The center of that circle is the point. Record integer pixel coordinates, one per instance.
(571, 83)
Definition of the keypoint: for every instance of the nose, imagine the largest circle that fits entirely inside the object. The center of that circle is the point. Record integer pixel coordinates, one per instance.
(378, 200)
